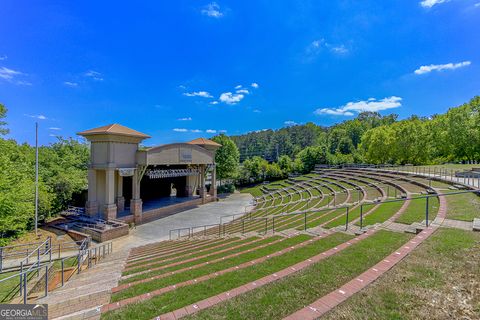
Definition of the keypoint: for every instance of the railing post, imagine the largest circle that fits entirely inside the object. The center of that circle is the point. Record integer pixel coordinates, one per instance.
(426, 212)
(266, 221)
(219, 230)
(59, 251)
(38, 261)
(361, 217)
(273, 224)
(25, 288)
(243, 226)
(1, 259)
(21, 277)
(305, 222)
(346, 221)
(78, 263)
(46, 281)
(63, 270)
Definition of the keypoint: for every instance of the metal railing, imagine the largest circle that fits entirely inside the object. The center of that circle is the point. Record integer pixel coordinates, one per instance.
(24, 251)
(83, 260)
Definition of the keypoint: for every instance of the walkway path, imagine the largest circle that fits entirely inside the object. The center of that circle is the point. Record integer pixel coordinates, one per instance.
(209, 213)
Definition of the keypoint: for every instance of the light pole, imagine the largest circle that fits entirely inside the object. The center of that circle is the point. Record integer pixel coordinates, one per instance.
(36, 179)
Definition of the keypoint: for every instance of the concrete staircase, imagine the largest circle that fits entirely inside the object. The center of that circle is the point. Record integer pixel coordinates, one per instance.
(82, 296)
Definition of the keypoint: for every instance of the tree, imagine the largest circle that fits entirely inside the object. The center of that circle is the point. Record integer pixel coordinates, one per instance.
(3, 115)
(311, 156)
(226, 158)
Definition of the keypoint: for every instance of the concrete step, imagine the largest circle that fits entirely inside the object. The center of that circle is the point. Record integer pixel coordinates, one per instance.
(476, 224)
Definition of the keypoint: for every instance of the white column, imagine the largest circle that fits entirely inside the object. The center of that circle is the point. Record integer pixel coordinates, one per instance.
(136, 202)
(120, 199)
(91, 207)
(110, 210)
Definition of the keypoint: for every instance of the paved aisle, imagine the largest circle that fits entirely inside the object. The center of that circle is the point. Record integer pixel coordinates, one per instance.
(209, 213)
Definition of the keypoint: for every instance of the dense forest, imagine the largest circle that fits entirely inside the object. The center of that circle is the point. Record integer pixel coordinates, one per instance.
(369, 138)
(62, 179)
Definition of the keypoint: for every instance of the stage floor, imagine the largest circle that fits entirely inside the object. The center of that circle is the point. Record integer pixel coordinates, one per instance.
(158, 203)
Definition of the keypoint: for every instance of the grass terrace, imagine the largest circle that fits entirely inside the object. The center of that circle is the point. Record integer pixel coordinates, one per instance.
(283, 297)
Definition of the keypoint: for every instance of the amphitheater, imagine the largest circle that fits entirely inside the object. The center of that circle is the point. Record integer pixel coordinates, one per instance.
(322, 244)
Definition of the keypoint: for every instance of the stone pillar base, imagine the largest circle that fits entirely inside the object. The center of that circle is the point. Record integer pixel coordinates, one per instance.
(136, 210)
(120, 204)
(110, 212)
(91, 208)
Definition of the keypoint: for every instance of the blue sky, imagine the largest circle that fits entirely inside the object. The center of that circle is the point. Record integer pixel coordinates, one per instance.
(178, 70)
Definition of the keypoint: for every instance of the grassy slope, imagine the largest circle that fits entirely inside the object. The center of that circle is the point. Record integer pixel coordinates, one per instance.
(439, 280)
(210, 268)
(463, 207)
(416, 211)
(285, 296)
(187, 295)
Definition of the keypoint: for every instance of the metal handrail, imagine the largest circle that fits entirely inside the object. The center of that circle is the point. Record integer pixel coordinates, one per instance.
(85, 255)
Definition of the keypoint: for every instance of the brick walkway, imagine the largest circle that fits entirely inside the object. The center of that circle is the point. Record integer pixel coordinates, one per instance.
(334, 298)
(210, 302)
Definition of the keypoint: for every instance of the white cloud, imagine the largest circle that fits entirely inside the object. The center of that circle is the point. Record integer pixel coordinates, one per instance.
(359, 106)
(180, 130)
(55, 128)
(11, 76)
(97, 76)
(256, 110)
(185, 119)
(212, 10)
(214, 102)
(255, 85)
(290, 123)
(441, 67)
(244, 91)
(231, 98)
(222, 131)
(238, 87)
(316, 46)
(477, 4)
(3, 57)
(38, 116)
(210, 131)
(71, 84)
(203, 94)
(431, 3)
(195, 130)
(339, 49)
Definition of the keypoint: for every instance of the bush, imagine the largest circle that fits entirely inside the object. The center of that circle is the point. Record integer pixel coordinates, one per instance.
(226, 188)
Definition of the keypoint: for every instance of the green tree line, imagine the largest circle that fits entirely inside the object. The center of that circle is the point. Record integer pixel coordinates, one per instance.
(369, 138)
(62, 179)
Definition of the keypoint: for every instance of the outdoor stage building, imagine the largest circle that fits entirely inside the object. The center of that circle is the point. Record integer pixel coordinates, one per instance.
(136, 184)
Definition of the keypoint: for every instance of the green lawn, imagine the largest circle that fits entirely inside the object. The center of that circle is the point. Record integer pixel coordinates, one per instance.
(254, 191)
(281, 298)
(439, 280)
(162, 262)
(208, 269)
(190, 294)
(417, 209)
(464, 207)
(382, 213)
(244, 248)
